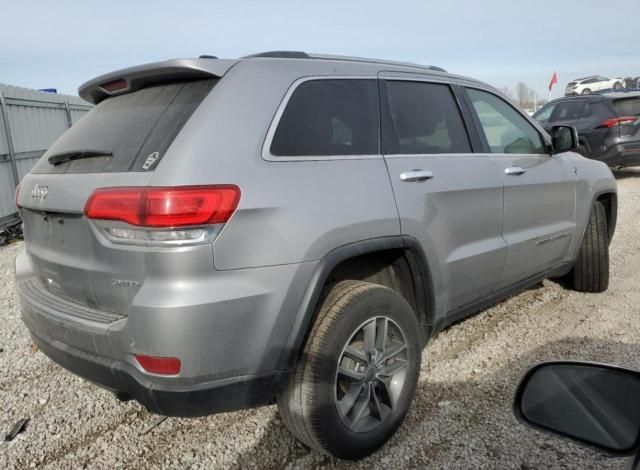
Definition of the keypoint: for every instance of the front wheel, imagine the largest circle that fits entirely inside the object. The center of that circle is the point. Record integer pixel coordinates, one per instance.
(618, 86)
(586, 91)
(591, 271)
(356, 378)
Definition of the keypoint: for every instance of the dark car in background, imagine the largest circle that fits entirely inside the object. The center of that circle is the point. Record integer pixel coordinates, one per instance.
(632, 83)
(608, 125)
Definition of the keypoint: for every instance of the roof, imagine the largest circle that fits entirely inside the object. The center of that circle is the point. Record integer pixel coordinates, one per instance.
(133, 78)
(599, 96)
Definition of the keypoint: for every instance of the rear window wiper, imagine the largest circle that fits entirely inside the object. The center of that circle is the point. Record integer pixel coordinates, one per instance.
(77, 155)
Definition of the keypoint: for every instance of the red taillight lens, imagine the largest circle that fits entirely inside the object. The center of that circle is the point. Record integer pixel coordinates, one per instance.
(115, 85)
(159, 365)
(164, 206)
(15, 198)
(620, 121)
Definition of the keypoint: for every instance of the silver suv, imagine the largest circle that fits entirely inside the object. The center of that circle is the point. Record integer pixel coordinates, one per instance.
(219, 234)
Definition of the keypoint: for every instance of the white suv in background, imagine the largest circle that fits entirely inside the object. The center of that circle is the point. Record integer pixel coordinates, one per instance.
(588, 85)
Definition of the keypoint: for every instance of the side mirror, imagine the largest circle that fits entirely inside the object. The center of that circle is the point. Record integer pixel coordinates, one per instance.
(564, 139)
(592, 404)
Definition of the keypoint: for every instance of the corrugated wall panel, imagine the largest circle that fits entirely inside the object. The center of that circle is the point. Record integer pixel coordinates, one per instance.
(6, 190)
(36, 120)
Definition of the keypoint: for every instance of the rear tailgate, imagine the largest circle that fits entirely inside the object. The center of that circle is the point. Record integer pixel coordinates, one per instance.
(131, 130)
(70, 258)
(629, 129)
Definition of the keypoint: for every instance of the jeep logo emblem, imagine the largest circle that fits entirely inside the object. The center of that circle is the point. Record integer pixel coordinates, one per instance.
(39, 192)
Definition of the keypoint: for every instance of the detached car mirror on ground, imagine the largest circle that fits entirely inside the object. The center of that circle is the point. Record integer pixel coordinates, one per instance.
(594, 405)
(219, 234)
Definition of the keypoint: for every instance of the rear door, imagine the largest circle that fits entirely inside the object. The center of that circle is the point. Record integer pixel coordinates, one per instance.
(127, 136)
(449, 198)
(539, 189)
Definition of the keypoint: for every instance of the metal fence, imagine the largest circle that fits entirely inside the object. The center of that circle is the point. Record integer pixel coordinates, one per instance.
(30, 121)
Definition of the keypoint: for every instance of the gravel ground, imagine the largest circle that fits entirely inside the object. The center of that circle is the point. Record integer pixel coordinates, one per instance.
(461, 416)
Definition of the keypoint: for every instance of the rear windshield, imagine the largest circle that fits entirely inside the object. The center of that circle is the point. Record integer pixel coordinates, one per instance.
(133, 130)
(627, 106)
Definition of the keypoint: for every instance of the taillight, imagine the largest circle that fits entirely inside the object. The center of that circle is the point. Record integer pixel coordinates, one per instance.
(159, 365)
(619, 121)
(15, 197)
(164, 207)
(162, 215)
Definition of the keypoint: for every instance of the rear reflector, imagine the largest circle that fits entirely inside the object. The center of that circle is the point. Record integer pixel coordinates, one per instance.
(159, 365)
(114, 85)
(620, 121)
(164, 207)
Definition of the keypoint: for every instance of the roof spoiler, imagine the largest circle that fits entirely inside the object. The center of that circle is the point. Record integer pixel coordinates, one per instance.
(133, 78)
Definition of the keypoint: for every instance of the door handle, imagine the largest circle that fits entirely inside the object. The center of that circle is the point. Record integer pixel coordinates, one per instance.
(514, 170)
(416, 175)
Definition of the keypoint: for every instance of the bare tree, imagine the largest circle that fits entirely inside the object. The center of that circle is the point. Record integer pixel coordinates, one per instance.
(508, 93)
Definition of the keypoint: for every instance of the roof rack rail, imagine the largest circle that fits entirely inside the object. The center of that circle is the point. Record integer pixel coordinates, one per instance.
(279, 55)
(304, 55)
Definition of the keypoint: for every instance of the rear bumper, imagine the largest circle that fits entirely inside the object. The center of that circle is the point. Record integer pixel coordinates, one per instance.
(622, 155)
(229, 336)
(165, 399)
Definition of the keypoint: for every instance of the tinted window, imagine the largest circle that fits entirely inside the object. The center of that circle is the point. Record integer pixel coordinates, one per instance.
(423, 119)
(329, 117)
(563, 111)
(544, 113)
(627, 106)
(505, 129)
(567, 110)
(131, 127)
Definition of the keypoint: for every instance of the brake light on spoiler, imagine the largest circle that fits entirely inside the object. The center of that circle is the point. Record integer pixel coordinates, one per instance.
(143, 214)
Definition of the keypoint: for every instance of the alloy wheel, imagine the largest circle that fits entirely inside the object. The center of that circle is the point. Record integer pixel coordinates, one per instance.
(371, 374)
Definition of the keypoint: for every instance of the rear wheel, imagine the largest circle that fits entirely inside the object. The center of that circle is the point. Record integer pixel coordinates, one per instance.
(584, 148)
(591, 271)
(357, 375)
(586, 91)
(618, 86)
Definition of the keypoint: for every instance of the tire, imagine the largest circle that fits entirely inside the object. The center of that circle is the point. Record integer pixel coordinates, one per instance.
(586, 91)
(309, 402)
(584, 148)
(591, 271)
(618, 86)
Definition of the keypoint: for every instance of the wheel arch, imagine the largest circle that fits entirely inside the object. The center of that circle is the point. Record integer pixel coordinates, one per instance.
(609, 200)
(364, 259)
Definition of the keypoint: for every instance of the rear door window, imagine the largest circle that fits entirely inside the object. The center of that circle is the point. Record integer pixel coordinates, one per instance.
(568, 110)
(627, 106)
(136, 129)
(423, 118)
(543, 115)
(505, 129)
(329, 117)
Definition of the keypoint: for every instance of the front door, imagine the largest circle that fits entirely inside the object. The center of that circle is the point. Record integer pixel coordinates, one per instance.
(539, 189)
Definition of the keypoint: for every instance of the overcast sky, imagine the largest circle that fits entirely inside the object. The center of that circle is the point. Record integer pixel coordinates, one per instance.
(62, 44)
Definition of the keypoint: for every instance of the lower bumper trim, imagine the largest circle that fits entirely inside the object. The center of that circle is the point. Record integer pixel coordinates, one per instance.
(170, 400)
